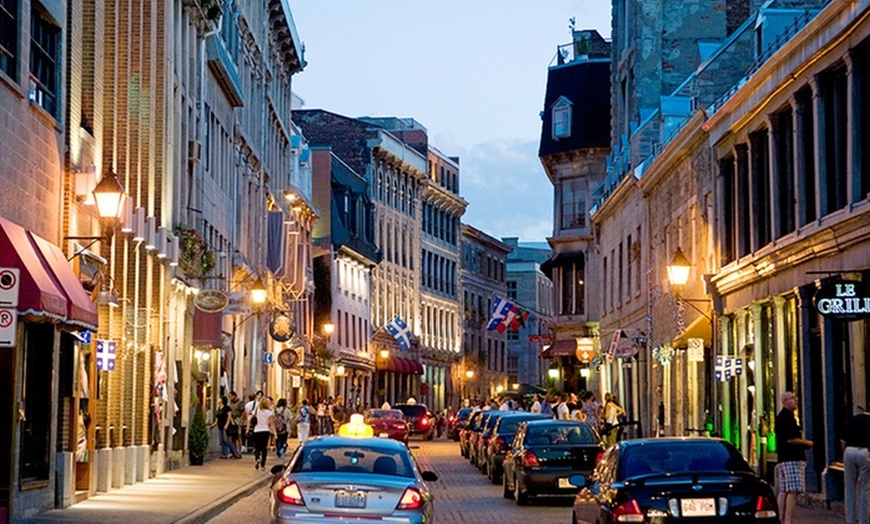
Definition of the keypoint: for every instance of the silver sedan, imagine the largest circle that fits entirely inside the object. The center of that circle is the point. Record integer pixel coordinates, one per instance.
(335, 479)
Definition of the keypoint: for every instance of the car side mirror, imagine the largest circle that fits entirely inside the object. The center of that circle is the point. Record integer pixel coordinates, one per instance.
(578, 480)
(278, 469)
(429, 476)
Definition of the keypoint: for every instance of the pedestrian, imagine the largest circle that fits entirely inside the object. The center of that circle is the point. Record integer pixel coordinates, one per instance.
(222, 421)
(536, 405)
(250, 407)
(261, 422)
(546, 408)
(613, 414)
(856, 465)
(791, 458)
(303, 421)
(281, 427)
(340, 413)
(562, 410)
(235, 430)
(593, 410)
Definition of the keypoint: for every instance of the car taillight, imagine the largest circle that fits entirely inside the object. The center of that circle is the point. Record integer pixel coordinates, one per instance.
(627, 512)
(498, 443)
(450, 418)
(411, 499)
(425, 421)
(290, 494)
(765, 508)
(529, 460)
(598, 456)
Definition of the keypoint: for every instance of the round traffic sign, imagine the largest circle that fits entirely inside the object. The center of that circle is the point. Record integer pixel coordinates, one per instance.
(6, 318)
(7, 280)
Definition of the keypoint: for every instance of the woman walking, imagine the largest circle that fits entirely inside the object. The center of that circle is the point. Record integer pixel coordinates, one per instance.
(261, 422)
(223, 421)
(281, 426)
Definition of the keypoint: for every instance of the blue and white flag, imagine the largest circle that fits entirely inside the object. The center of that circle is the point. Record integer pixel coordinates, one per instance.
(106, 355)
(401, 332)
(727, 367)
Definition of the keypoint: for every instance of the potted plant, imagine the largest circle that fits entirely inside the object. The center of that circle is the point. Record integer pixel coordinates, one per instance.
(197, 438)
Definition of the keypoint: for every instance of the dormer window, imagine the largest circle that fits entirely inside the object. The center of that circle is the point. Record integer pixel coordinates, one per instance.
(562, 118)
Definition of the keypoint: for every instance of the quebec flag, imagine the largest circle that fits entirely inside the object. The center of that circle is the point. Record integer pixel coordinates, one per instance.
(400, 332)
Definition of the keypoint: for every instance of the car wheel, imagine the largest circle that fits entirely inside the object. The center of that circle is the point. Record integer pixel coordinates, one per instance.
(482, 464)
(430, 436)
(493, 476)
(521, 498)
(505, 491)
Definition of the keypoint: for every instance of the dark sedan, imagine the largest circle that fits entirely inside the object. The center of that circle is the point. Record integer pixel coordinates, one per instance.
(502, 435)
(418, 418)
(544, 454)
(481, 447)
(465, 435)
(673, 480)
(474, 436)
(457, 421)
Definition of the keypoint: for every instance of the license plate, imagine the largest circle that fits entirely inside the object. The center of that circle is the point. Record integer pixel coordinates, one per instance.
(384, 435)
(350, 499)
(565, 483)
(698, 507)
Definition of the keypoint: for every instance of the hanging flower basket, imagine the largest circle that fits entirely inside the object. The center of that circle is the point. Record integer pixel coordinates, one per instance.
(195, 256)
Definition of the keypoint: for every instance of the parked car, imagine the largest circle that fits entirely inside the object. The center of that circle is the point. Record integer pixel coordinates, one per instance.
(464, 435)
(331, 478)
(502, 436)
(545, 453)
(481, 448)
(456, 422)
(419, 420)
(673, 480)
(388, 423)
(474, 436)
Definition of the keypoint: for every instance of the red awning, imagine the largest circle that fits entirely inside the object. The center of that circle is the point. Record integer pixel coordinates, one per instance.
(38, 295)
(81, 312)
(207, 329)
(416, 367)
(405, 366)
(560, 348)
(399, 365)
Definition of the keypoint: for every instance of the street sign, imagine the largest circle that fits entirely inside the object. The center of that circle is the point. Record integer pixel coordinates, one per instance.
(696, 350)
(10, 279)
(540, 339)
(268, 358)
(8, 324)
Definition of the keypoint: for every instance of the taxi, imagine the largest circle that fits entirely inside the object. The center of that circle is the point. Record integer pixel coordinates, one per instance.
(351, 476)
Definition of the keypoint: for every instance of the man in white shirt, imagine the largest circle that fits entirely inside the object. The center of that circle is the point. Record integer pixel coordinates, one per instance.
(562, 411)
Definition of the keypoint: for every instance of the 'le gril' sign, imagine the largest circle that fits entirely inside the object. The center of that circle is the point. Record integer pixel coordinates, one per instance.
(844, 300)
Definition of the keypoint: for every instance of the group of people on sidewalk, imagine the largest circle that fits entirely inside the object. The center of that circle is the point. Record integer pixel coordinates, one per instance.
(260, 424)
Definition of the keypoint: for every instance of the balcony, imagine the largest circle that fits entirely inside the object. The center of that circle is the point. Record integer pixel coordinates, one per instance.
(221, 64)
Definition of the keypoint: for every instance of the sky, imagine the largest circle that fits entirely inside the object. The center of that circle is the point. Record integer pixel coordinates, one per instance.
(472, 72)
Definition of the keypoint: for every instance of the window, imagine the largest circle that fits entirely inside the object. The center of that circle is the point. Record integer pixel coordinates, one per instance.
(43, 61)
(573, 205)
(35, 426)
(9, 38)
(512, 289)
(562, 118)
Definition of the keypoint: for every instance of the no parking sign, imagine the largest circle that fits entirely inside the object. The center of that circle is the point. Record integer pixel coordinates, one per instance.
(8, 324)
(9, 281)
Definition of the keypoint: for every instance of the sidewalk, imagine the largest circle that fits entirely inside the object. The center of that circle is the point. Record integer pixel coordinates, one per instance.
(190, 494)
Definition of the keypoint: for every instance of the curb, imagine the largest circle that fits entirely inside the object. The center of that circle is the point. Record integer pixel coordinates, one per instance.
(216, 507)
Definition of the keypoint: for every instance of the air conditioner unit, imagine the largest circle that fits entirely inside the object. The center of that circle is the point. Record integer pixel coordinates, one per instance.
(194, 151)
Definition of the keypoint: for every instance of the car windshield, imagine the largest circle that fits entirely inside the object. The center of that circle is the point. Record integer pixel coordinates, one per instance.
(464, 413)
(356, 459)
(561, 434)
(493, 419)
(681, 457)
(510, 425)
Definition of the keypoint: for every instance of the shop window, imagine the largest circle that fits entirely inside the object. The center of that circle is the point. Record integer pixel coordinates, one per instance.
(36, 404)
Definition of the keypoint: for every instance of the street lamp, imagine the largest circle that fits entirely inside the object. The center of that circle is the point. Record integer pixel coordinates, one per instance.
(328, 328)
(109, 196)
(258, 293)
(469, 374)
(678, 276)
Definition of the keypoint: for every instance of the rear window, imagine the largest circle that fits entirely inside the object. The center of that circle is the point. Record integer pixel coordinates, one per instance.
(493, 420)
(356, 459)
(510, 425)
(562, 434)
(394, 414)
(681, 457)
(412, 411)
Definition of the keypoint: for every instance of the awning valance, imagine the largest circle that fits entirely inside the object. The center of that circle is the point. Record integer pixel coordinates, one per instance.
(39, 297)
(81, 312)
(563, 260)
(699, 328)
(207, 329)
(401, 365)
(560, 348)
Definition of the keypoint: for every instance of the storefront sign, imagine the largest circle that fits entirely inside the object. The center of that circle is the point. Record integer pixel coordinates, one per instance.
(211, 300)
(540, 339)
(585, 349)
(281, 329)
(288, 358)
(847, 301)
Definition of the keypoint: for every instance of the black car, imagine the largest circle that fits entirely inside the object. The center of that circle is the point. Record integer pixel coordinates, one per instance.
(692, 479)
(474, 436)
(481, 447)
(545, 453)
(418, 419)
(473, 421)
(457, 421)
(502, 436)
